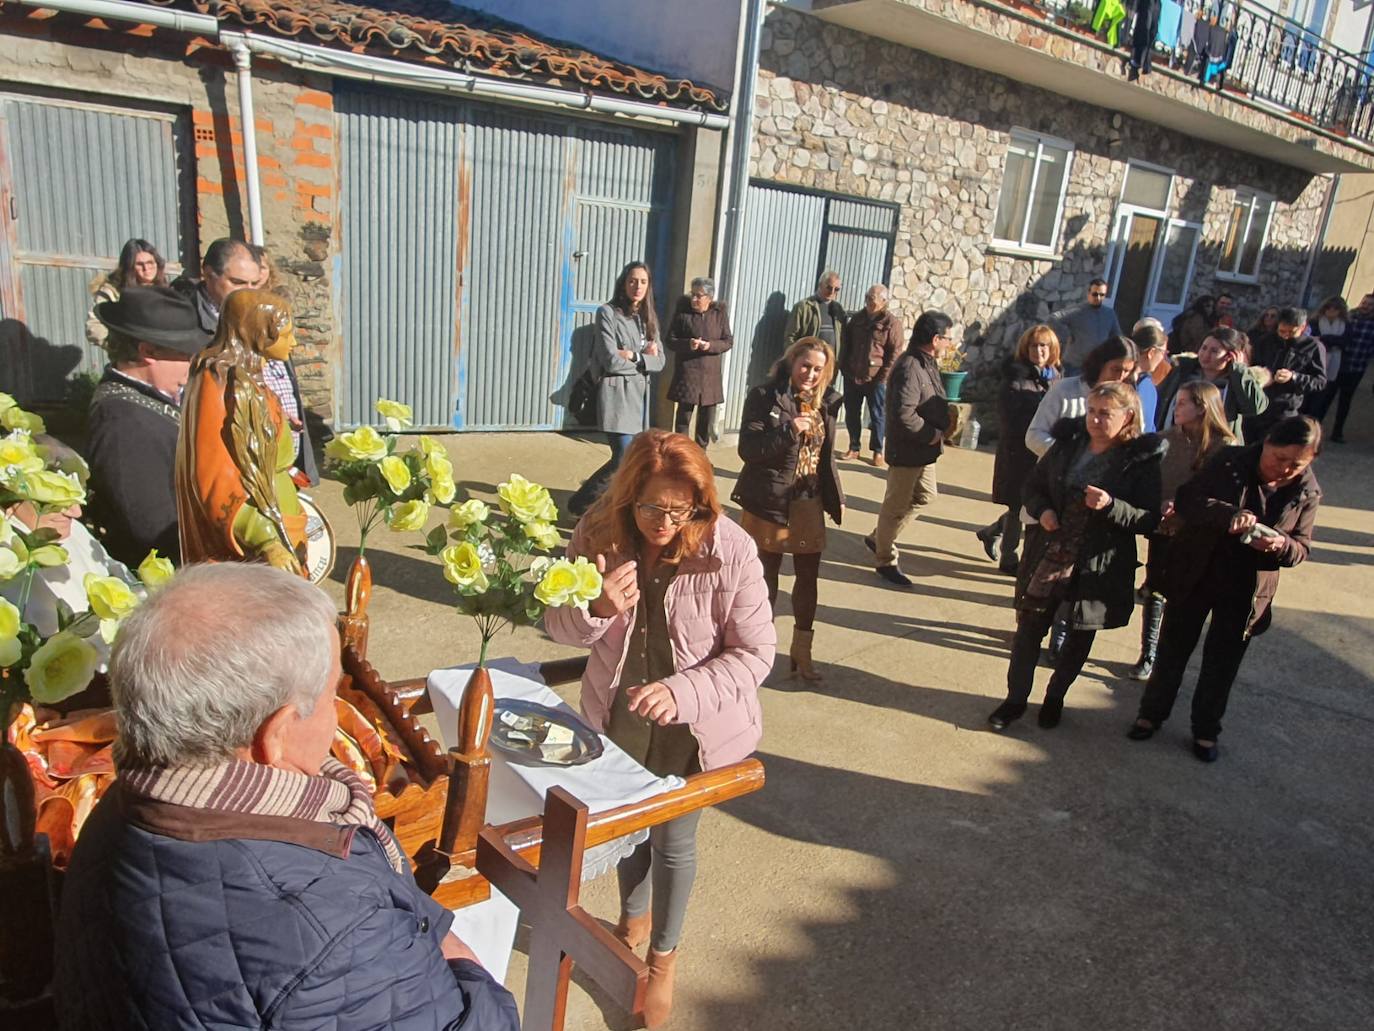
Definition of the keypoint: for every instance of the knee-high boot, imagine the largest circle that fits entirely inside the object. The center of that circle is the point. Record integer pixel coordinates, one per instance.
(1151, 616)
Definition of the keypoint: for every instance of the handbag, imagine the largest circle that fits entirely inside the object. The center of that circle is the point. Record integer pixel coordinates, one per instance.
(582, 401)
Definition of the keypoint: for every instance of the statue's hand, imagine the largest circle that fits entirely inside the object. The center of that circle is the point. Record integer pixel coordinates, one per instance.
(278, 556)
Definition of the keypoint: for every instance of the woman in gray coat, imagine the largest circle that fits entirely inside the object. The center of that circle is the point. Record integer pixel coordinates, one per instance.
(627, 350)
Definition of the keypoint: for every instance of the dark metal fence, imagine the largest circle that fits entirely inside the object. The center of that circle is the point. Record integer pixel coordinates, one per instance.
(1263, 56)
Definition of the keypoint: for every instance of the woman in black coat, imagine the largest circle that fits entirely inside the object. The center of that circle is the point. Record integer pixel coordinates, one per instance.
(1246, 516)
(790, 482)
(1096, 488)
(1025, 379)
(699, 335)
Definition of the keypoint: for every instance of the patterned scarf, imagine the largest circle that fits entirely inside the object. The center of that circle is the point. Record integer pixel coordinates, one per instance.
(336, 796)
(809, 444)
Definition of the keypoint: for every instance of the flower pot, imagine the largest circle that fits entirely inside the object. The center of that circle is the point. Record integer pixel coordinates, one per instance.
(954, 383)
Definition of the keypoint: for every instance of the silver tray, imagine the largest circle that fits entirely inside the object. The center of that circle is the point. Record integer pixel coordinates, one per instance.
(585, 747)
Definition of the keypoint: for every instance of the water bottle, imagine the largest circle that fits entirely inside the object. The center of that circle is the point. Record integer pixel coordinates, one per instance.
(969, 437)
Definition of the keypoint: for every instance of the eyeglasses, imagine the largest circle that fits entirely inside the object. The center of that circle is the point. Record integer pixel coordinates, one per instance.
(1097, 293)
(676, 516)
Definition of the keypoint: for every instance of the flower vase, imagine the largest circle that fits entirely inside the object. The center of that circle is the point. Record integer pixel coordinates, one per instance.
(465, 811)
(954, 384)
(353, 624)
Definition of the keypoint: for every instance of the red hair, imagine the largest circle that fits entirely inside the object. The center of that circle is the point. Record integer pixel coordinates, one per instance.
(609, 526)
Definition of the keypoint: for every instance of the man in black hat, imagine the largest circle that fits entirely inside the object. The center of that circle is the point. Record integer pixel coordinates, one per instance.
(135, 418)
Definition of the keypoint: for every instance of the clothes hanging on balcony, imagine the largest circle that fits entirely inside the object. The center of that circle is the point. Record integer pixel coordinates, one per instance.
(1186, 27)
(1143, 35)
(1220, 48)
(1110, 14)
(1170, 18)
(1197, 47)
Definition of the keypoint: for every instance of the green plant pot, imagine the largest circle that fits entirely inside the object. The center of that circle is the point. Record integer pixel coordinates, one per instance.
(954, 383)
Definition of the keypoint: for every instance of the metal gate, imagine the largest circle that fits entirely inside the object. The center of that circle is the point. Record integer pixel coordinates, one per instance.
(790, 237)
(76, 181)
(499, 232)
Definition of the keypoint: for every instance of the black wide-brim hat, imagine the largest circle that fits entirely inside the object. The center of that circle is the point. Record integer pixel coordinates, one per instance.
(156, 315)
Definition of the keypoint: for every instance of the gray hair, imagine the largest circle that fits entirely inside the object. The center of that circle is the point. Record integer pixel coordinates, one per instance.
(705, 284)
(877, 290)
(826, 277)
(1147, 321)
(200, 665)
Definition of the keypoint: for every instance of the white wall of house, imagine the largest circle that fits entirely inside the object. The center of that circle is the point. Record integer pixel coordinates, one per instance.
(1350, 25)
(693, 40)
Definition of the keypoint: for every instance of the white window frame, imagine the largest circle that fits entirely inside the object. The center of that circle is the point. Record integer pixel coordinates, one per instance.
(1255, 198)
(1039, 139)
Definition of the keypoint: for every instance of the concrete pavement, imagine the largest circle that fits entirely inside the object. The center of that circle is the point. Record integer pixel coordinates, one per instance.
(905, 867)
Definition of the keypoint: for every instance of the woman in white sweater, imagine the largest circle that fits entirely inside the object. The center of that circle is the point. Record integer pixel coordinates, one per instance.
(1112, 361)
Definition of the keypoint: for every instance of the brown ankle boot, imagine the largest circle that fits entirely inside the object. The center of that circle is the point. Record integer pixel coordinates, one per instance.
(633, 931)
(658, 999)
(801, 654)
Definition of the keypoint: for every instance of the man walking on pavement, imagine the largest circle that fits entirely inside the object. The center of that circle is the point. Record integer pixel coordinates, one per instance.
(819, 315)
(917, 418)
(872, 339)
(1084, 326)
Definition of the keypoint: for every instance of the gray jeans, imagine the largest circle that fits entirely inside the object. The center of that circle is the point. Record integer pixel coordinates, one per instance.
(671, 853)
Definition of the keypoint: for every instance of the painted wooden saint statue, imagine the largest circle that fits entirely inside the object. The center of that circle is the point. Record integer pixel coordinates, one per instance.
(235, 497)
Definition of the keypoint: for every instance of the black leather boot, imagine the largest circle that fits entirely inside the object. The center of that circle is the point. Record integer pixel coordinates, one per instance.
(1152, 615)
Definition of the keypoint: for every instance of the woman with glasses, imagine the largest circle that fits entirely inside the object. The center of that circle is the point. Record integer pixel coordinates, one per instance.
(681, 637)
(626, 353)
(789, 482)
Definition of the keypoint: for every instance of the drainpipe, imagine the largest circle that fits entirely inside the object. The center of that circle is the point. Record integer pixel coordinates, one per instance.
(243, 62)
(182, 21)
(741, 134)
(727, 165)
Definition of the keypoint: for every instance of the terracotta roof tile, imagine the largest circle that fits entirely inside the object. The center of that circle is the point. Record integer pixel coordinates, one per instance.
(476, 42)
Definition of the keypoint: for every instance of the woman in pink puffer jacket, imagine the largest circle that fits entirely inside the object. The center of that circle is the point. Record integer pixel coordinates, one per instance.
(680, 640)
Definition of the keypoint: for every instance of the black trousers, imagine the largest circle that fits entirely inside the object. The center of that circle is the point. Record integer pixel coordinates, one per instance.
(1143, 34)
(705, 415)
(1031, 628)
(1346, 384)
(1222, 653)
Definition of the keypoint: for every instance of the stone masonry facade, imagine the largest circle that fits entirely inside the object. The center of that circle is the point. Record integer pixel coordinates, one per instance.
(846, 113)
(294, 113)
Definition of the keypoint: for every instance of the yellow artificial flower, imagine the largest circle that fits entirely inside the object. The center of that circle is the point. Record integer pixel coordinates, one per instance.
(362, 445)
(438, 466)
(49, 556)
(463, 566)
(15, 418)
(111, 600)
(397, 415)
(396, 473)
(430, 446)
(588, 582)
(58, 490)
(467, 514)
(545, 535)
(6, 402)
(62, 666)
(526, 501)
(155, 570)
(17, 451)
(410, 515)
(10, 565)
(10, 649)
(559, 584)
(442, 490)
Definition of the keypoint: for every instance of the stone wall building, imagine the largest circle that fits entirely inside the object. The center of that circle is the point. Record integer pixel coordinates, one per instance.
(846, 113)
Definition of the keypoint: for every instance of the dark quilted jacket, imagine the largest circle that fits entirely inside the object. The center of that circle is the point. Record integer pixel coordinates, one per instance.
(241, 932)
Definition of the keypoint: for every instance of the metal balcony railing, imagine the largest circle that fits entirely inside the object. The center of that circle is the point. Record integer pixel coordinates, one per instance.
(1268, 58)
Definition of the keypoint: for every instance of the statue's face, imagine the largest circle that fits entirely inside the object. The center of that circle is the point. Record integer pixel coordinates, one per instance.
(281, 347)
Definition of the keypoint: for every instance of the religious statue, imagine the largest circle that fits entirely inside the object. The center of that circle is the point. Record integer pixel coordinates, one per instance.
(235, 497)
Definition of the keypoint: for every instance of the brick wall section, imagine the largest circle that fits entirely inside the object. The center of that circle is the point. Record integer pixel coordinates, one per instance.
(848, 113)
(294, 119)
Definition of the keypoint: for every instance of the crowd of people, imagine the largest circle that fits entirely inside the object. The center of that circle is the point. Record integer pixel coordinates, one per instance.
(1199, 440)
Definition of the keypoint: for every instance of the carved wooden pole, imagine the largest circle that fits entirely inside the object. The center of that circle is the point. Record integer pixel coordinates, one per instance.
(465, 811)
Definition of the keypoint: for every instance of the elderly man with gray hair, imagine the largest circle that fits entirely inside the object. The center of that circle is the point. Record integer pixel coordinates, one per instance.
(235, 875)
(820, 315)
(699, 335)
(872, 340)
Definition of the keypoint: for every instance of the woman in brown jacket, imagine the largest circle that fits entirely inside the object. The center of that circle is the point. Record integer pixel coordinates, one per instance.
(699, 335)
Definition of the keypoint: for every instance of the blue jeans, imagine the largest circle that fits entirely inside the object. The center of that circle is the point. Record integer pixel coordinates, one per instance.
(855, 395)
(595, 485)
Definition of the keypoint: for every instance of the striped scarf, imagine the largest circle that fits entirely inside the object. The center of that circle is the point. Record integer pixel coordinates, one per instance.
(337, 796)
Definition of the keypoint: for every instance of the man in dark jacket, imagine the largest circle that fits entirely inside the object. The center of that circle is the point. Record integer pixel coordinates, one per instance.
(917, 419)
(820, 315)
(235, 876)
(135, 417)
(1295, 366)
(871, 341)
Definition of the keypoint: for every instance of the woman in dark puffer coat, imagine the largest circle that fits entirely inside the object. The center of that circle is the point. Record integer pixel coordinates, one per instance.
(1096, 488)
(1025, 379)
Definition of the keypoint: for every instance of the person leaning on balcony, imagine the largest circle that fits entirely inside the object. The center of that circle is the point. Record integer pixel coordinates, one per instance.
(1220, 361)
(681, 638)
(1084, 326)
(819, 315)
(918, 417)
(872, 340)
(790, 482)
(1292, 363)
(699, 335)
(235, 875)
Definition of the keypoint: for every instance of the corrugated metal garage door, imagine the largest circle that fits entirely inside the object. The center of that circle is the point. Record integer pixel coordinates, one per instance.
(527, 221)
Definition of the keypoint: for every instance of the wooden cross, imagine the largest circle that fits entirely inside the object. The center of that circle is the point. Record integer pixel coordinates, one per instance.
(561, 931)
